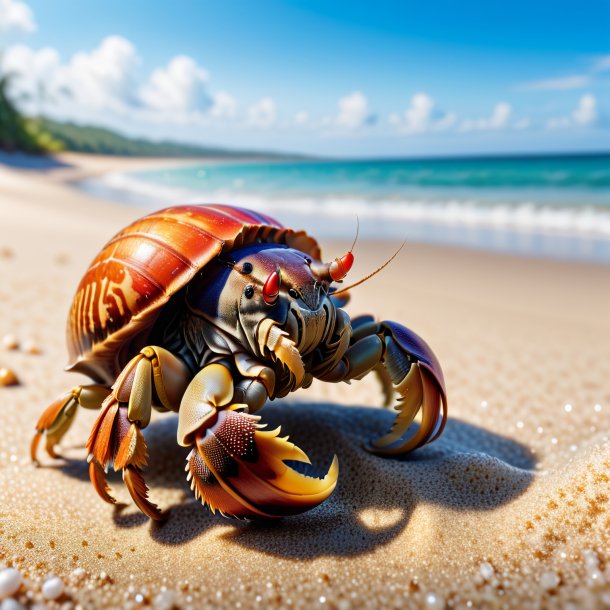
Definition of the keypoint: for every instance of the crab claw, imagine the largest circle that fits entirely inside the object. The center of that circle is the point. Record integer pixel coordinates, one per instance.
(239, 469)
(413, 369)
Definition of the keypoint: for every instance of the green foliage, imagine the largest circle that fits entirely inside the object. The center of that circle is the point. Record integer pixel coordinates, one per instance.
(98, 140)
(18, 133)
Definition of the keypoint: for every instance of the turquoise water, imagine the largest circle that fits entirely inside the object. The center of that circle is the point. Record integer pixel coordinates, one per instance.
(391, 178)
(543, 206)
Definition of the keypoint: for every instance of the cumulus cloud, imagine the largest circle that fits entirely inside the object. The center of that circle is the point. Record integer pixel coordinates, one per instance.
(102, 79)
(105, 79)
(30, 68)
(586, 111)
(224, 105)
(179, 87)
(422, 116)
(262, 114)
(498, 120)
(16, 17)
(584, 115)
(354, 111)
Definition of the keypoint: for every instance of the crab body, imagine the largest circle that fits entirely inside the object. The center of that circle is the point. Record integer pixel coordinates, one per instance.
(209, 311)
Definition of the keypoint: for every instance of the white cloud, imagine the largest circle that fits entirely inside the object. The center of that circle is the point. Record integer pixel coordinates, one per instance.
(584, 115)
(94, 84)
(263, 113)
(224, 105)
(419, 113)
(16, 16)
(586, 112)
(31, 69)
(353, 111)
(422, 116)
(179, 88)
(498, 120)
(574, 81)
(500, 116)
(100, 80)
(103, 79)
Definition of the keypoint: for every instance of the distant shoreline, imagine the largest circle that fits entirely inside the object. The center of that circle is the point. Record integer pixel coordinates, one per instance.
(526, 229)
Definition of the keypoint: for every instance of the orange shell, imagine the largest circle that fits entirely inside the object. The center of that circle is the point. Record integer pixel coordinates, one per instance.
(126, 286)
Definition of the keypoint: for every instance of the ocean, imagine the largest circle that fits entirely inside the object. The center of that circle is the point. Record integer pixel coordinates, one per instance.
(543, 206)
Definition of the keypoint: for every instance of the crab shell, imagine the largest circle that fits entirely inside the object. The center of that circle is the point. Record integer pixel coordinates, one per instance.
(129, 282)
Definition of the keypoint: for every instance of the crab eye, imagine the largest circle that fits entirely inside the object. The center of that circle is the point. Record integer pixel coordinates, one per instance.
(271, 289)
(249, 291)
(247, 268)
(293, 293)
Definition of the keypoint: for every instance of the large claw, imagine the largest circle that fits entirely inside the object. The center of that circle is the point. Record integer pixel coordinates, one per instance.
(418, 380)
(239, 469)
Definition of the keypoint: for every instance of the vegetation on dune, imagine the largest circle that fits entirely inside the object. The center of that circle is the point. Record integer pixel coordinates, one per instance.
(99, 140)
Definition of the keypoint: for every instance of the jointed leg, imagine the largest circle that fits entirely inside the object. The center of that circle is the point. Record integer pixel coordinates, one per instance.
(154, 375)
(57, 418)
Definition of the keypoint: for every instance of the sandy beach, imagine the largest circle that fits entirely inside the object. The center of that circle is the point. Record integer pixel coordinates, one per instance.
(510, 508)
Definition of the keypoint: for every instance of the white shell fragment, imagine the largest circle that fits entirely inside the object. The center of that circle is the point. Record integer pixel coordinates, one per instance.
(9, 341)
(31, 347)
(11, 604)
(10, 581)
(52, 588)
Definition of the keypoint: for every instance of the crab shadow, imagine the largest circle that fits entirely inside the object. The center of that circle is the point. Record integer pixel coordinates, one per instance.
(467, 468)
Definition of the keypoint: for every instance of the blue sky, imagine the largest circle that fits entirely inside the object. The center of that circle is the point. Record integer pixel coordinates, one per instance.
(339, 78)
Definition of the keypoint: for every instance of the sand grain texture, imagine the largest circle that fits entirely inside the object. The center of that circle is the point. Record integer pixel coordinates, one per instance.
(509, 508)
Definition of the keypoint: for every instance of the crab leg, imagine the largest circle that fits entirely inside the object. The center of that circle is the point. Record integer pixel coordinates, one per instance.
(57, 418)
(156, 377)
(235, 466)
(404, 362)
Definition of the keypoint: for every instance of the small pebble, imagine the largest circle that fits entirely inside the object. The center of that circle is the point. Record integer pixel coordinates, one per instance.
(10, 581)
(6, 252)
(52, 588)
(8, 377)
(165, 600)
(9, 341)
(549, 581)
(11, 604)
(487, 570)
(31, 347)
(435, 602)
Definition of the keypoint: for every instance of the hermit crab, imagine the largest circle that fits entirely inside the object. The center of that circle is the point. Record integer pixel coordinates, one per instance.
(209, 311)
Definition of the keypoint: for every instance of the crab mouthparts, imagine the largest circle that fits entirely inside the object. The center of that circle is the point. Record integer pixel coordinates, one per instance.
(272, 338)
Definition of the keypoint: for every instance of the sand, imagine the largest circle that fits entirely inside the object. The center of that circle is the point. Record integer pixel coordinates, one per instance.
(509, 508)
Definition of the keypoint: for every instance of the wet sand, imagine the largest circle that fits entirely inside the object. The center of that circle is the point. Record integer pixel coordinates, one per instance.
(509, 508)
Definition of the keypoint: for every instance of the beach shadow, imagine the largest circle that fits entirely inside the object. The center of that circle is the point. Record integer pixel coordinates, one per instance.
(19, 160)
(467, 468)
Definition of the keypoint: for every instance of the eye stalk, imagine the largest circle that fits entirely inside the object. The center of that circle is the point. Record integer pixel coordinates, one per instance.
(340, 267)
(334, 271)
(271, 289)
